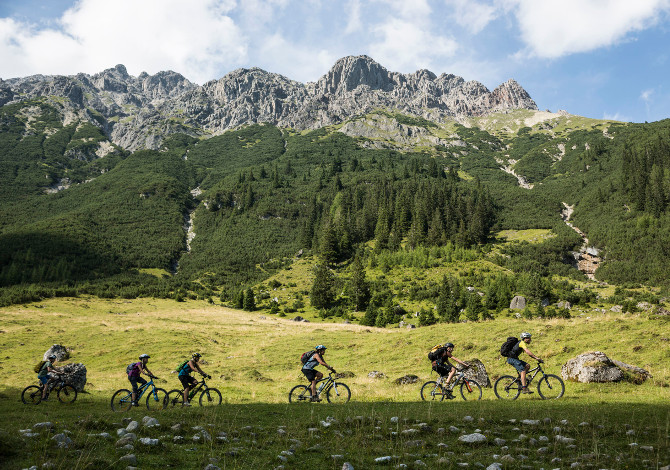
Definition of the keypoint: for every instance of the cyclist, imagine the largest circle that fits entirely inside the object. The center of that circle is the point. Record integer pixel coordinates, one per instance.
(185, 375)
(442, 366)
(134, 376)
(521, 366)
(45, 377)
(314, 375)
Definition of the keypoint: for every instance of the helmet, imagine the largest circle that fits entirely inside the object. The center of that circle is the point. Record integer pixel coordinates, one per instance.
(525, 335)
(144, 355)
(196, 355)
(52, 356)
(320, 347)
(448, 345)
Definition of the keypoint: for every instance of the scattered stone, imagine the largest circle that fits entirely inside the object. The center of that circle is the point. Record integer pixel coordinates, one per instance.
(530, 422)
(630, 432)
(419, 463)
(46, 425)
(128, 459)
(147, 441)
(409, 432)
(507, 458)
(120, 432)
(517, 303)
(394, 419)
(475, 438)
(347, 466)
(337, 457)
(176, 427)
(62, 440)
(416, 443)
(454, 429)
(564, 440)
(150, 422)
(565, 422)
(385, 459)
(543, 450)
(546, 420)
(211, 466)
(178, 439)
(647, 448)
(543, 439)
(495, 466)
(583, 424)
(499, 442)
(468, 419)
(375, 374)
(127, 438)
(132, 426)
(406, 380)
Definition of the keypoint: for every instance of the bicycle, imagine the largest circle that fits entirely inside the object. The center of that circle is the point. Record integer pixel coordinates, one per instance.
(208, 397)
(66, 393)
(122, 399)
(550, 386)
(336, 392)
(434, 390)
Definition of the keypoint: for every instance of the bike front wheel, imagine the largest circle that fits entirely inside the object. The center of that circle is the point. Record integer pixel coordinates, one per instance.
(432, 391)
(471, 390)
(300, 394)
(157, 399)
(174, 397)
(507, 388)
(210, 397)
(338, 393)
(67, 394)
(121, 400)
(31, 395)
(551, 387)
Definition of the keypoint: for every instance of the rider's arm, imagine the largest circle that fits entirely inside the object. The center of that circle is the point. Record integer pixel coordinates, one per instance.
(459, 361)
(317, 356)
(527, 351)
(146, 370)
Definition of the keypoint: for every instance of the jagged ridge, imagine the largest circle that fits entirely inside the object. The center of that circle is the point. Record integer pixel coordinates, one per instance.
(138, 112)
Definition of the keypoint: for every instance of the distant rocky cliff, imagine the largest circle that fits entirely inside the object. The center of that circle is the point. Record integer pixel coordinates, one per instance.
(138, 112)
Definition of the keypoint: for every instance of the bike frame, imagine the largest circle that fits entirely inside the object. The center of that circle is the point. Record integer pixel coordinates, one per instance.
(143, 388)
(459, 377)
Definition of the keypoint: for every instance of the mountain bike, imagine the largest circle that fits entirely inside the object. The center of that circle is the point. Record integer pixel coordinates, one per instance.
(550, 386)
(122, 399)
(32, 395)
(336, 392)
(435, 390)
(208, 397)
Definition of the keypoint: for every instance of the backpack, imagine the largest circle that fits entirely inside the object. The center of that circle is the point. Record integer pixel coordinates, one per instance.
(306, 356)
(508, 345)
(133, 370)
(181, 365)
(38, 366)
(436, 352)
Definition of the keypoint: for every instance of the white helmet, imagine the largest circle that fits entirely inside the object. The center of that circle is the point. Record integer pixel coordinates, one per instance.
(144, 355)
(525, 335)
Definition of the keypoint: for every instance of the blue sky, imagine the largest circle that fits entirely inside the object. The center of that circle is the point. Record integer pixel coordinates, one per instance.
(596, 58)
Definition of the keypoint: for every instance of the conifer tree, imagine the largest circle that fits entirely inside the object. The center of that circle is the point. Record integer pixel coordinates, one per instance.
(249, 300)
(322, 293)
(359, 289)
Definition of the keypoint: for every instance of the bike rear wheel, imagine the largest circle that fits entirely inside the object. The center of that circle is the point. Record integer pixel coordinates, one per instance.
(507, 388)
(338, 393)
(156, 399)
(67, 394)
(210, 397)
(31, 395)
(121, 400)
(432, 391)
(174, 398)
(300, 394)
(471, 392)
(551, 387)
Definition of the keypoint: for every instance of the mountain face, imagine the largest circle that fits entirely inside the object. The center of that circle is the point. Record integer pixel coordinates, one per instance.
(138, 112)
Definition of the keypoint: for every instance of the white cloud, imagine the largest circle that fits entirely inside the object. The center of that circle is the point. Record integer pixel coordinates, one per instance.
(194, 38)
(646, 95)
(406, 40)
(471, 15)
(354, 23)
(554, 28)
(616, 117)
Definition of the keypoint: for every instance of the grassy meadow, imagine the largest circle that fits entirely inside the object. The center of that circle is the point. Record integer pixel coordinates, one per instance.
(254, 360)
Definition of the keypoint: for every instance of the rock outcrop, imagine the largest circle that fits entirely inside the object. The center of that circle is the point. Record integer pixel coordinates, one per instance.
(597, 367)
(477, 372)
(139, 112)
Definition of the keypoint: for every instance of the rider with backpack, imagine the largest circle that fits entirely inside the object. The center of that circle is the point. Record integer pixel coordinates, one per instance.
(185, 378)
(511, 349)
(134, 371)
(309, 361)
(43, 370)
(439, 357)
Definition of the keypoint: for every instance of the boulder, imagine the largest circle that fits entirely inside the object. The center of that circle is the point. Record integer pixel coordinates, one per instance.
(59, 351)
(518, 303)
(406, 380)
(477, 372)
(75, 374)
(375, 374)
(597, 367)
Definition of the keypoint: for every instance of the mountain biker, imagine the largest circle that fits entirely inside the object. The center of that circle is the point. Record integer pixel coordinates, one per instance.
(314, 375)
(134, 376)
(45, 377)
(185, 375)
(521, 366)
(443, 367)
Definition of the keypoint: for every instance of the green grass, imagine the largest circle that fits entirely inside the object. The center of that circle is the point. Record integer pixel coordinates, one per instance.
(254, 361)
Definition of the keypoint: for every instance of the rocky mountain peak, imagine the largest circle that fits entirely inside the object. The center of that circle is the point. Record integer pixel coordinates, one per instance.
(350, 72)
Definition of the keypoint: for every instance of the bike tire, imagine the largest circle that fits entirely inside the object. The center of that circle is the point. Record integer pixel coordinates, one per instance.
(174, 398)
(156, 399)
(338, 393)
(31, 395)
(300, 394)
(67, 394)
(550, 387)
(121, 400)
(432, 391)
(473, 393)
(210, 397)
(505, 388)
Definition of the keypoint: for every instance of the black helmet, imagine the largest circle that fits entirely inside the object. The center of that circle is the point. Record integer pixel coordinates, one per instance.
(448, 345)
(51, 357)
(196, 355)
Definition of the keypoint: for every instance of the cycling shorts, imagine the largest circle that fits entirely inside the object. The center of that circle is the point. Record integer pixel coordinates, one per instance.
(443, 369)
(187, 380)
(517, 363)
(44, 379)
(134, 381)
(310, 374)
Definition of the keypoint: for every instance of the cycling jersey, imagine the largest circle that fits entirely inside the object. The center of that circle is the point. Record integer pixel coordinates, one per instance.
(311, 363)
